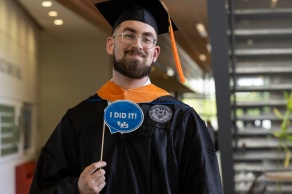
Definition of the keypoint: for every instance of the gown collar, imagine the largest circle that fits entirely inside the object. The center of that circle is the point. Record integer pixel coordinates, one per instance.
(147, 93)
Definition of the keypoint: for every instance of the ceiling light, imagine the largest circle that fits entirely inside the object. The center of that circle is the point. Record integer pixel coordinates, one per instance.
(53, 13)
(226, 6)
(58, 22)
(209, 48)
(169, 71)
(202, 57)
(202, 30)
(46, 3)
(274, 3)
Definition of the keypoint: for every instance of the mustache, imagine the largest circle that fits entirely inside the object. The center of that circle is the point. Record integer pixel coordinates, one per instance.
(136, 52)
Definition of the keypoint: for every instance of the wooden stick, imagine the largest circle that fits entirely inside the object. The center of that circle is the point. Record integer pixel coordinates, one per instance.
(102, 141)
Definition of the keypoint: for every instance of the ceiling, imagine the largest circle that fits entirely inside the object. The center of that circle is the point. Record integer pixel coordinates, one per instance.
(185, 13)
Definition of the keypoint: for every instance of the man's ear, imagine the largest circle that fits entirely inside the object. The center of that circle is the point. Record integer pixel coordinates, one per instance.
(156, 53)
(110, 45)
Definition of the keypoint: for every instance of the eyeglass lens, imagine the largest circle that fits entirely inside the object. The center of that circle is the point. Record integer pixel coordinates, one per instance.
(130, 38)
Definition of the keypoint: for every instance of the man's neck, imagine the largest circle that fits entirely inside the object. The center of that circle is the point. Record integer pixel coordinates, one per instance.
(128, 83)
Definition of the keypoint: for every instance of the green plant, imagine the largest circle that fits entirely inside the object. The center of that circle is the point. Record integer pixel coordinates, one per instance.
(283, 135)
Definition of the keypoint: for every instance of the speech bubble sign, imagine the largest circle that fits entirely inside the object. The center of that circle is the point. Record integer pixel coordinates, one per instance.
(123, 116)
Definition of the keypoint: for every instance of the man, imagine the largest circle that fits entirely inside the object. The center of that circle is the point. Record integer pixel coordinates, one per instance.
(169, 152)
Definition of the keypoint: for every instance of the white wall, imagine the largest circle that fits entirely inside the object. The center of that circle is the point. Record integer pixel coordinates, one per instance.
(18, 81)
(71, 71)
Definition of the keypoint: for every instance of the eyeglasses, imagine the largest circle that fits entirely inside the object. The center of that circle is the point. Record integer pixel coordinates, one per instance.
(130, 38)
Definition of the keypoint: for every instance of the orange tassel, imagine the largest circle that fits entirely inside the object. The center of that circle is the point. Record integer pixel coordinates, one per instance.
(175, 53)
(174, 49)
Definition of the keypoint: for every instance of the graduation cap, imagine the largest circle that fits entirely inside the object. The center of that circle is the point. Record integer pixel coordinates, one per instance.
(151, 12)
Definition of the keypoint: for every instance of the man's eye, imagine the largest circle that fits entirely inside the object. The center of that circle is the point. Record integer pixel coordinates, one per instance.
(129, 36)
(147, 39)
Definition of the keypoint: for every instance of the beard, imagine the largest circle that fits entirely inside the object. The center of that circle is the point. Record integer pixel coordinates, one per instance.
(131, 68)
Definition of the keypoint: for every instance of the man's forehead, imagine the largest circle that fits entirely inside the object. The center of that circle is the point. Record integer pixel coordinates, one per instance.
(137, 26)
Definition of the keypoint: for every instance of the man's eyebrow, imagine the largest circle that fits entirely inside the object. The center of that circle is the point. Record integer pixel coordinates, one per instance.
(129, 29)
(135, 31)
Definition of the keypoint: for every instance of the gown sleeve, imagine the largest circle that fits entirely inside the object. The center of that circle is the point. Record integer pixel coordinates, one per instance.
(58, 168)
(198, 161)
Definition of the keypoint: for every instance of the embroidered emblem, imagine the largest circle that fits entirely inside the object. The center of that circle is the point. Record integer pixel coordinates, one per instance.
(160, 113)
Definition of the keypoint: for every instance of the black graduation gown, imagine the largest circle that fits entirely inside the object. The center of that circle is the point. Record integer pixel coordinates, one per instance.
(173, 157)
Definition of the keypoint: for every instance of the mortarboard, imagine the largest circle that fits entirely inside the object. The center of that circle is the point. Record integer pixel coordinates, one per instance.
(152, 12)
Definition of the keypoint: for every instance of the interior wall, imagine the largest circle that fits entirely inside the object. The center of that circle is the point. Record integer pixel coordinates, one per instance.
(70, 72)
(19, 40)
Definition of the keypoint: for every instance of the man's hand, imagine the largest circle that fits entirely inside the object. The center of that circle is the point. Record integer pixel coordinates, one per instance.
(92, 179)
